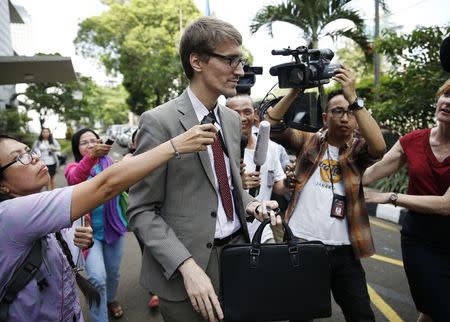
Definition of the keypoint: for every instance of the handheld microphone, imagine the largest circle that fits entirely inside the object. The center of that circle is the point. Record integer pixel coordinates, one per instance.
(244, 141)
(262, 144)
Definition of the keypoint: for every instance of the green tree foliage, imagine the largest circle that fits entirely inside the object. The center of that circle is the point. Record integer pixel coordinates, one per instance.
(313, 17)
(406, 98)
(139, 39)
(109, 105)
(56, 98)
(14, 123)
(353, 57)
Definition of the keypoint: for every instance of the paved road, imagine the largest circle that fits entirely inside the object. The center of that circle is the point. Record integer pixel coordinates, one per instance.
(391, 300)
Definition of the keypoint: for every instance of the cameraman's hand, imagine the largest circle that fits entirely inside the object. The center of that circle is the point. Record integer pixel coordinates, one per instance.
(251, 180)
(345, 77)
(99, 150)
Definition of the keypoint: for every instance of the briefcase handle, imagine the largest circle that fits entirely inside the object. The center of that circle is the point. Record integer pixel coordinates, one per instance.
(290, 238)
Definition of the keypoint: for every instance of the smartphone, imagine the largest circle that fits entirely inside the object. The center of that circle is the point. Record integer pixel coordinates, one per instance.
(109, 141)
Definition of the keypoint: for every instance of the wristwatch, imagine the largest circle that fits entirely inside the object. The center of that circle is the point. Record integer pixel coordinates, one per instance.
(356, 105)
(393, 199)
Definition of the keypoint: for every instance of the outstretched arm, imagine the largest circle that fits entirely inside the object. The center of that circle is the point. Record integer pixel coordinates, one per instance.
(370, 130)
(115, 179)
(423, 204)
(392, 161)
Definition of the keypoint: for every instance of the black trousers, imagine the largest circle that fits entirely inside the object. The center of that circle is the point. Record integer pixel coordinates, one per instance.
(348, 284)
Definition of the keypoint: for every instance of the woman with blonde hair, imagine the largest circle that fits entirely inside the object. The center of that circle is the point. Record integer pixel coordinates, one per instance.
(425, 235)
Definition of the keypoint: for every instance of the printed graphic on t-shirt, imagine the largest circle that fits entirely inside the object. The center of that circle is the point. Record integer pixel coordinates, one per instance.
(336, 173)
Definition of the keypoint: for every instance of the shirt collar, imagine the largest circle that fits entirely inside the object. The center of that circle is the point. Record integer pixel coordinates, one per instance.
(199, 108)
(324, 138)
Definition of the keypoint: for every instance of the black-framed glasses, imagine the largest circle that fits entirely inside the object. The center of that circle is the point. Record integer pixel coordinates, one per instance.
(24, 158)
(339, 112)
(234, 61)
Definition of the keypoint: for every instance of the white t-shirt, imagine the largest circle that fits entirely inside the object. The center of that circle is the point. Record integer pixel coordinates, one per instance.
(311, 218)
(271, 172)
(47, 155)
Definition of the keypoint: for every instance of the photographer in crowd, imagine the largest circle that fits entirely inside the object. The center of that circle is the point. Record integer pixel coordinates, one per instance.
(328, 201)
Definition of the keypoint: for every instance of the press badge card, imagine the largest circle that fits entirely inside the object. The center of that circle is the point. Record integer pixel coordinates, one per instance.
(338, 208)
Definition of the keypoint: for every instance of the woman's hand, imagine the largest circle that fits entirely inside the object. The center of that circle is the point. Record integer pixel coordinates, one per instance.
(195, 139)
(99, 150)
(377, 197)
(83, 237)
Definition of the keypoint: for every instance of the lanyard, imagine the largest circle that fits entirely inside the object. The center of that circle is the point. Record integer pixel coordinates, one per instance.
(329, 165)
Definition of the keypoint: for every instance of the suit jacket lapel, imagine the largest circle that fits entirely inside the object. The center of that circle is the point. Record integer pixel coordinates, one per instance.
(188, 119)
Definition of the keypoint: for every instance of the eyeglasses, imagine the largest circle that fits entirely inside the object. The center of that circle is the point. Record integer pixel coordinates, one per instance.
(234, 61)
(87, 142)
(24, 158)
(339, 112)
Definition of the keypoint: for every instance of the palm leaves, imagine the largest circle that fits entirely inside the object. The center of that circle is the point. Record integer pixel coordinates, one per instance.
(312, 16)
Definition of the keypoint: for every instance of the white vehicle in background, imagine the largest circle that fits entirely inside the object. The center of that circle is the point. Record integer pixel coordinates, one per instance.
(114, 130)
(124, 138)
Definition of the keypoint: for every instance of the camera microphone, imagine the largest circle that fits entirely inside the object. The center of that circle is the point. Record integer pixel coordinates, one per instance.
(262, 144)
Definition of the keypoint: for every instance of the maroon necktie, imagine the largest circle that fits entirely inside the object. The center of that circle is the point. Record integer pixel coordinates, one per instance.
(222, 177)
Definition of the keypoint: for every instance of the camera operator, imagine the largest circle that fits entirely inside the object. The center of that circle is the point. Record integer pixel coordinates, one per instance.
(328, 201)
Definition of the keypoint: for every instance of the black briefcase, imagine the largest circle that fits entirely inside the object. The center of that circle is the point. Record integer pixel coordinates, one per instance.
(270, 282)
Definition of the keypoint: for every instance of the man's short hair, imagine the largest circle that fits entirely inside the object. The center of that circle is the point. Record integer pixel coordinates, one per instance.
(202, 36)
(246, 96)
(443, 89)
(330, 96)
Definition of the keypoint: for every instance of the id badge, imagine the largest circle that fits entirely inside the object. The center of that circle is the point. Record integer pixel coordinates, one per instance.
(270, 178)
(338, 206)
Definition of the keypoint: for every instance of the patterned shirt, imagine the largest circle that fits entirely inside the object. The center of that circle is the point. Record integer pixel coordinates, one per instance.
(354, 159)
(22, 221)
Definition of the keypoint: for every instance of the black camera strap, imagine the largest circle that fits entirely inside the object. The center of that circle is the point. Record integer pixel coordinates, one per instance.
(28, 270)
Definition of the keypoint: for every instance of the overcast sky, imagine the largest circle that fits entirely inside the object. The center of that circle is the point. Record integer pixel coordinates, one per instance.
(54, 25)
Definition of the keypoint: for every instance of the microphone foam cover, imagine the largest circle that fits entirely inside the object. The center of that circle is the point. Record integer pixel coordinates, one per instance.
(262, 143)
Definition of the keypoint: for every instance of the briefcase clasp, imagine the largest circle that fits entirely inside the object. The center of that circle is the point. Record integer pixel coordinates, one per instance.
(295, 257)
(254, 257)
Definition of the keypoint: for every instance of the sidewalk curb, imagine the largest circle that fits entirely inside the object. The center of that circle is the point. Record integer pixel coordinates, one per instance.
(387, 212)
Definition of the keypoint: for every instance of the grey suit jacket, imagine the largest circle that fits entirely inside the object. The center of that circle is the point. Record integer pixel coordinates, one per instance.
(173, 210)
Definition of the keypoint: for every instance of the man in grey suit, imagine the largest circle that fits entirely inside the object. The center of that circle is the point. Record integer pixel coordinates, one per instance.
(188, 209)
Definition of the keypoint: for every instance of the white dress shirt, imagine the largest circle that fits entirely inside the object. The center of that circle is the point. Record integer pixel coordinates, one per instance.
(224, 227)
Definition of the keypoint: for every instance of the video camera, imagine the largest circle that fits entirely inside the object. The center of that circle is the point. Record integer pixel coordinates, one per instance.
(311, 70)
(248, 80)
